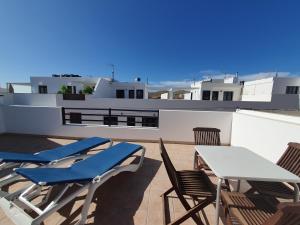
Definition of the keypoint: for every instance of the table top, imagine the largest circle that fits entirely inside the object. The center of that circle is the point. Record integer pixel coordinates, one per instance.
(230, 162)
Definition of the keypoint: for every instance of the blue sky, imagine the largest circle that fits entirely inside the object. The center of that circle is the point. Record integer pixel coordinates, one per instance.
(166, 41)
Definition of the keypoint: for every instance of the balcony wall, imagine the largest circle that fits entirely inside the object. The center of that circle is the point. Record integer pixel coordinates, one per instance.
(2, 124)
(278, 102)
(174, 125)
(267, 134)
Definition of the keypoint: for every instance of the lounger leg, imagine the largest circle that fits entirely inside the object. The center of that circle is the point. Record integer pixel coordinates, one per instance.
(218, 201)
(87, 202)
(296, 188)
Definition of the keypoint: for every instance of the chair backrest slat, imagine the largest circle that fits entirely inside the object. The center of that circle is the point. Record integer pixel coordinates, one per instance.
(290, 160)
(171, 171)
(206, 136)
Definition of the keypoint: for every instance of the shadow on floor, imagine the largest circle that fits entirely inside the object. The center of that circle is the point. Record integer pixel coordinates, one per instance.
(119, 198)
(25, 143)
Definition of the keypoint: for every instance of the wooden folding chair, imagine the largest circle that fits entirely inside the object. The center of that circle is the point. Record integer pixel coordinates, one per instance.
(205, 136)
(259, 209)
(191, 183)
(290, 161)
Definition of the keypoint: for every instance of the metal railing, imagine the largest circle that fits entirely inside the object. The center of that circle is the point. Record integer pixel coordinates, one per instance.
(111, 117)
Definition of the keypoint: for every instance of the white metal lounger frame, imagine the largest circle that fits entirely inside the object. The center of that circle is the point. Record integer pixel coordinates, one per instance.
(17, 214)
(11, 178)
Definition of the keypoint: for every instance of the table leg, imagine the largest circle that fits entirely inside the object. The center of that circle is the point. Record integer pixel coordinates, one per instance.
(218, 202)
(296, 189)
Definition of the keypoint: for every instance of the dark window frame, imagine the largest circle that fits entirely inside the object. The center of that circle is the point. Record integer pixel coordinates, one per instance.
(206, 95)
(118, 93)
(228, 96)
(215, 96)
(290, 90)
(43, 89)
(131, 94)
(139, 94)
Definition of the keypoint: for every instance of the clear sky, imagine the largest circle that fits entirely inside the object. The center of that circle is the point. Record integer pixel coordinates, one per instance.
(163, 40)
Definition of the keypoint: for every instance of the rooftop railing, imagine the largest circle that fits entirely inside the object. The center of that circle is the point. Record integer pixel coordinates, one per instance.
(111, 117)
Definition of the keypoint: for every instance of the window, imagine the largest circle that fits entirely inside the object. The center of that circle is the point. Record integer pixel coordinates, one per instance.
(75, 117)
(131, 94)
(150, 122)
(74, 90)
(130, 121)
(113, 120)
(228, 95)
(206, 95)
(43, 89)
(292, 90)
(140, 94)
(120, 94)
(215, 96)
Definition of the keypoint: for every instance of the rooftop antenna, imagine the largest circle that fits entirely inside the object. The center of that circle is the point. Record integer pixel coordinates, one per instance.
(112, 72)
(147, 82)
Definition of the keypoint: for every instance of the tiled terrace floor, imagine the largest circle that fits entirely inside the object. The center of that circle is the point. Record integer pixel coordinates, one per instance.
(129, 198)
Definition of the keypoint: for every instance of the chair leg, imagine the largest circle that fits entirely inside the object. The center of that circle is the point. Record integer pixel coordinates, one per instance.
(165, 206)
(196, 162)
(192, 212)
(188, 208)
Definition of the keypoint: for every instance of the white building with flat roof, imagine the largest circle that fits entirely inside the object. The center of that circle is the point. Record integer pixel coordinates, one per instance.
(227, 89)
(103, 87)
(265, 89)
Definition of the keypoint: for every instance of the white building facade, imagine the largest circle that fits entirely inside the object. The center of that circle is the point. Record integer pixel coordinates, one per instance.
(227, 89)
(103, 87)
(265, 89)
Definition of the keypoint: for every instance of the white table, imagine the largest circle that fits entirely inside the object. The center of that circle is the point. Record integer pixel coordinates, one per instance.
(238, 163)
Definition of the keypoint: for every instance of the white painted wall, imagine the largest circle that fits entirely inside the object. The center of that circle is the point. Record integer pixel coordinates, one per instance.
(173, 125)
(2, 121)
(280, 84)
(107, 89)
(258, 90)
(219, 87)
(54, 83)
(34, 99)
(278, 102)
(266, 134)
(177, 125)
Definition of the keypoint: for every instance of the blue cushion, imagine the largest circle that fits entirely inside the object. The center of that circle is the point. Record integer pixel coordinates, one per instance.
(47, 156)
(84, 170)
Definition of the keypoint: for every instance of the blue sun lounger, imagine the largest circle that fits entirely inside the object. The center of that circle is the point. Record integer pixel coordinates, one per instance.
(47, 157)
(54, 154)
(87, 174)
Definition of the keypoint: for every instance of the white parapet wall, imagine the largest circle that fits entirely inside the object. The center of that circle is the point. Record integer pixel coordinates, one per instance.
(174, 125)
(177, 125)
(267, 134)
(2, 121)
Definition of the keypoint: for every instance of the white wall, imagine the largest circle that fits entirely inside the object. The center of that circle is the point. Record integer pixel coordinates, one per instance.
(177, 125)
(219, 87)
(280, 84)
(2, 121)
(173, 125)
(279, 102)
(266, 134)
(54, 83)
(34, 99)
(107, 89)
